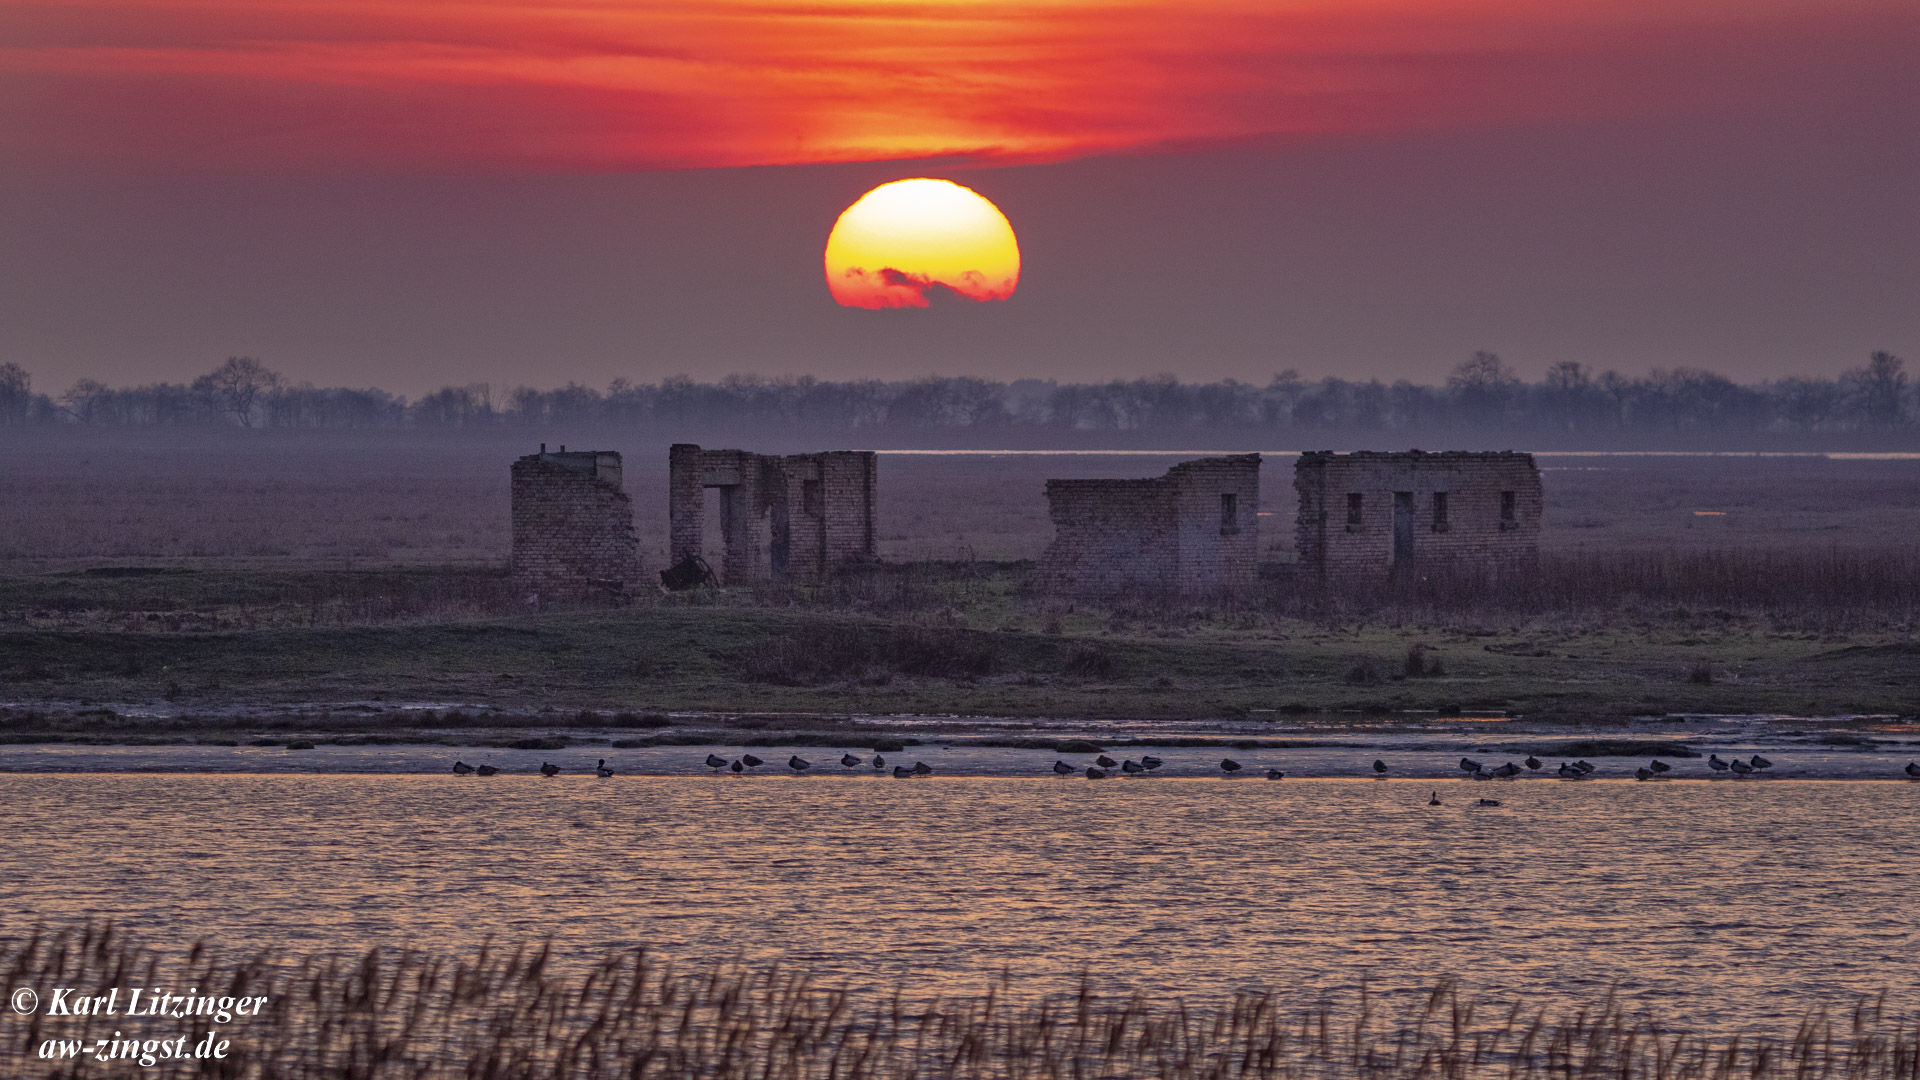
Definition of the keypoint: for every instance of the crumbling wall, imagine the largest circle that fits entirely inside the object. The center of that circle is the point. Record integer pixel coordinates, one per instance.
(573, 522)
(1194, 532)
(1372, 515)
(795, 517)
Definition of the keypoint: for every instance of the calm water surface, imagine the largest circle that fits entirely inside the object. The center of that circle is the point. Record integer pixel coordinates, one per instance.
(1709, 903)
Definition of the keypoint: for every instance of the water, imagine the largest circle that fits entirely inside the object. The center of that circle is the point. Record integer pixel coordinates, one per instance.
(1706, 903)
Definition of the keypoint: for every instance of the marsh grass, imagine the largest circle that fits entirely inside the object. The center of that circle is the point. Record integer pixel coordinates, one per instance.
(515, 1013)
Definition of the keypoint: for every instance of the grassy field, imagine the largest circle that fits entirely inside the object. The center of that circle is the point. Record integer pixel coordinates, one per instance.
(209, 574)
(83, 650)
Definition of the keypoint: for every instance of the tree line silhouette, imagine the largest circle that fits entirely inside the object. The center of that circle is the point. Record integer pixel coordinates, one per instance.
(1482, 393)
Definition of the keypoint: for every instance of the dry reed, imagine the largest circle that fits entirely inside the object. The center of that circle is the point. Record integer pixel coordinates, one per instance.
(514, 1014)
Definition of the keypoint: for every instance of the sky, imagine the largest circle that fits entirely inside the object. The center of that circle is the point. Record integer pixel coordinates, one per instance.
(418, 192)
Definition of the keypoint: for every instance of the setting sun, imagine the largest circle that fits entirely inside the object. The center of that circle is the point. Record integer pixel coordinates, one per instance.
(904, 238)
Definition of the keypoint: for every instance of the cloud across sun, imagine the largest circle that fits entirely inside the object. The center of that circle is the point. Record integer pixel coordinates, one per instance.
(902, 240)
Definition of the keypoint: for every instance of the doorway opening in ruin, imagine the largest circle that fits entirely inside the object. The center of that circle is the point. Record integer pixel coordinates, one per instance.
(1402, 531)
(716, 521)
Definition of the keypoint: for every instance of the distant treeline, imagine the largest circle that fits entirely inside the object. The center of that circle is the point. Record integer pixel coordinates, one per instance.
(1482, 393)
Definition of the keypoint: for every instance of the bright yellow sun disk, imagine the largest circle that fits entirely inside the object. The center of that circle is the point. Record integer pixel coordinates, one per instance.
(907, 237)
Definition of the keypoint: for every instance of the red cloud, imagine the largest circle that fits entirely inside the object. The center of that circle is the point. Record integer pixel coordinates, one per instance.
(732, 82)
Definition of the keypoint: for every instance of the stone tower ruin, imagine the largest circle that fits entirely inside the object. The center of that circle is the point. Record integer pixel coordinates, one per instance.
(1373, 516)
(796, 517)
(573, 523)
(1194, 532)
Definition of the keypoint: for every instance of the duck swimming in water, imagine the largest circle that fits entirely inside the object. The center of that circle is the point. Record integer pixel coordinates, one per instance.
(1434, 799)
(1276, 774)
(601, 769)
(1533, 763)
(922, 768)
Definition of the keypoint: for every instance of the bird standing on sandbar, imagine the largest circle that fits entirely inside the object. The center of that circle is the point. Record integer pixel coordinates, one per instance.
(1469, 765)
(548, 768)
(900, 771)
(714, 761)
(1533, 763)
(798, 763)
(1131, 766)
(750, 761)
(1568, 772)
(1740, 768)
(848, 760)
(1276, 774)
(737, 767)
(1643, 773)
(487, 770)
(1659, 766)
(1714, 763)
(461, 768)
(1105, 762)
(1759, 762)
(1095, 772)
(922, 768)
(1379, 767)
(1150, 762)
(1061, 768)
(879, 762)
(1913, 770)
(1228, 765)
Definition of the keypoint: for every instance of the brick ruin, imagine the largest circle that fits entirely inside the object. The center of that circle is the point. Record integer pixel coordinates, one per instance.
(1373, 516)
(796, 517)
(573, 522)
(1194, 532)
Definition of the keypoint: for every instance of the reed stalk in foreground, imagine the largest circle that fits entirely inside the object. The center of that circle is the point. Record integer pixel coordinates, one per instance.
(511, 1014)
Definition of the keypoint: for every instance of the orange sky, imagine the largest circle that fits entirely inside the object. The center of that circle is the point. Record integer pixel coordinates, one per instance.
(593, 84)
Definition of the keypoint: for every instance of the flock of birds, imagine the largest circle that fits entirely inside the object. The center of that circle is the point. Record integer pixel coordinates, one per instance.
(1104, 766)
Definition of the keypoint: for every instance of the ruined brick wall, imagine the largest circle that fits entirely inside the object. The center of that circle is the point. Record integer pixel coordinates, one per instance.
(1193, 532)
(572, 522)
(792, 517)
(1371, 515)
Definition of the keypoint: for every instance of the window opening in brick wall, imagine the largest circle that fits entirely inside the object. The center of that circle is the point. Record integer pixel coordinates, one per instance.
(1509, 512)
(1356, 503)
(1229, 513)
(810, 502)
(1439, 511)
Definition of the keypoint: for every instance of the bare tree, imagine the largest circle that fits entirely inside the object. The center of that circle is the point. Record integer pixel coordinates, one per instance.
(16, 393)
(1882, 386)
(237, 386)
